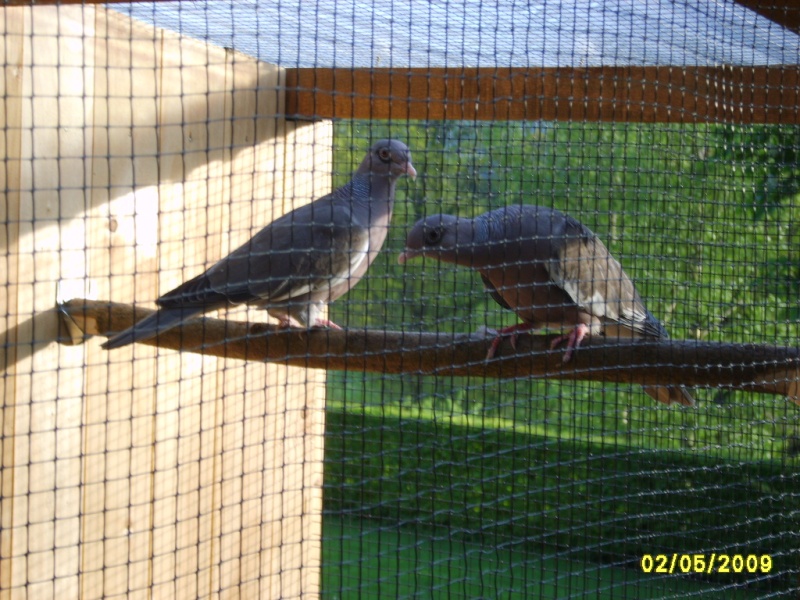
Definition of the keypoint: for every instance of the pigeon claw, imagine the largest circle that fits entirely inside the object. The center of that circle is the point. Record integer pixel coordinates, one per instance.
(493, 348)
(573, 339)
(290, 323)
(327, 323)
(514, 330)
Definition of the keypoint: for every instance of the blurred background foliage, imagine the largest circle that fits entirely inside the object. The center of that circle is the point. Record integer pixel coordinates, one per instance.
(702, 217)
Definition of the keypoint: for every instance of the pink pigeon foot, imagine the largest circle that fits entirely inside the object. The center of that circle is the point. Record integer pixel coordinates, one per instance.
(327, 323)
(573, 339)
(514, 330)
(289, 323)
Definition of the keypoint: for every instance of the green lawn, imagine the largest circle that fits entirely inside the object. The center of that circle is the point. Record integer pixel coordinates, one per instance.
(564, 501)
(367, 561)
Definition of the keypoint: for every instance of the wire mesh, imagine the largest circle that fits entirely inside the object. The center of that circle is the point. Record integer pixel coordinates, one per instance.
(144, 142)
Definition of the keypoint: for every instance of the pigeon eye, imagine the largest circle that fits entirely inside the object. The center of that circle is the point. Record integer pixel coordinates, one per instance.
(384, 154)
(433, 236)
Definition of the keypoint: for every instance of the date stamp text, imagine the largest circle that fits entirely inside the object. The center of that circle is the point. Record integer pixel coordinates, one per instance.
(706, 563)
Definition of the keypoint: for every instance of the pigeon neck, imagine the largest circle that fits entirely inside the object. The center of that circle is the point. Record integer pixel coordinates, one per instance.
(490, 242)
(466, 246)
(374, 190)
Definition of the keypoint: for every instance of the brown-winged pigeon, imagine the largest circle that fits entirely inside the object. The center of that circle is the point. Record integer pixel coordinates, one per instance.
(549, 269)
(301, 261)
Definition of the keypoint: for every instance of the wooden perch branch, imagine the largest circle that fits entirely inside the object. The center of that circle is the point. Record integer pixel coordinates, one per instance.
(759, 368)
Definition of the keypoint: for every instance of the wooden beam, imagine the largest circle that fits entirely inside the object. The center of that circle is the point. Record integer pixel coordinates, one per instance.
(636, 94)
(758, 368)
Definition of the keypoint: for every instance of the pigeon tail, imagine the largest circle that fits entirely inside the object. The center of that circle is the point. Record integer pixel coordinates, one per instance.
(674, 394)
(149, 327)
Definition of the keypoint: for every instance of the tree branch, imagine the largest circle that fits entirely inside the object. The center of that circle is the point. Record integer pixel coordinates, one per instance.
(759, 368)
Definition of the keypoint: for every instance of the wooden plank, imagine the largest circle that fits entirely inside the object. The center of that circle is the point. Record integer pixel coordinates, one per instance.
(290, 535)
(44, 151)
(118, 427)
(12, 514)
(635, 94)
(63, 138)
(240, 215)
(196, 118)
(193, 93)
(786, 14)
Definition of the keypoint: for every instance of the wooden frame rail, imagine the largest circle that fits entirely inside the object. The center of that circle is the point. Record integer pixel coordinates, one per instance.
(668, 94)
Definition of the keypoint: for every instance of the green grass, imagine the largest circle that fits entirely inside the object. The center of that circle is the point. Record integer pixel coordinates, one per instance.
(553, 499)
(738, 426)
(371, 562)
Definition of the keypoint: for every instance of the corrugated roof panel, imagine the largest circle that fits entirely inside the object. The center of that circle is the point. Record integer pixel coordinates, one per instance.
(416, 33)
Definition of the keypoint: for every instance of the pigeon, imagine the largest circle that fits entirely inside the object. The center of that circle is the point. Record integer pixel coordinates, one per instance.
(301, 261)
(551, 270)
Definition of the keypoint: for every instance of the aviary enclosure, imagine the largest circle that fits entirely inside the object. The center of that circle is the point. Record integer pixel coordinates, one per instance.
(231, 457)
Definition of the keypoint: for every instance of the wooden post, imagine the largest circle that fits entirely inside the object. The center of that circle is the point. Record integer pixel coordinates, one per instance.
(133, 159)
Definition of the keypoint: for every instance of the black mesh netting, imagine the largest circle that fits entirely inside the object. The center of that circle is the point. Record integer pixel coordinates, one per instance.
(144, 142)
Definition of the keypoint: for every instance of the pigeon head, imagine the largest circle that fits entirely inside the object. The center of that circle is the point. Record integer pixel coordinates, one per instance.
(443, 237)
(389, 158)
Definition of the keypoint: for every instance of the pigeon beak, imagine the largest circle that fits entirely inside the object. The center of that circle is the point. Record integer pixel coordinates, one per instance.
(404, 257)
(411, 171)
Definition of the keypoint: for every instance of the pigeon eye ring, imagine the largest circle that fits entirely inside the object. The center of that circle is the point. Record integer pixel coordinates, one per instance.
(433, 236)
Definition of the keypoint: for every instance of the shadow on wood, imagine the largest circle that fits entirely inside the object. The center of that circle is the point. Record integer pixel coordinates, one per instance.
(758, 368)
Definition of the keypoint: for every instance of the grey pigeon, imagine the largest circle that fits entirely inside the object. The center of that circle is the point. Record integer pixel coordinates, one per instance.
(549, 269)
(301, 261)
